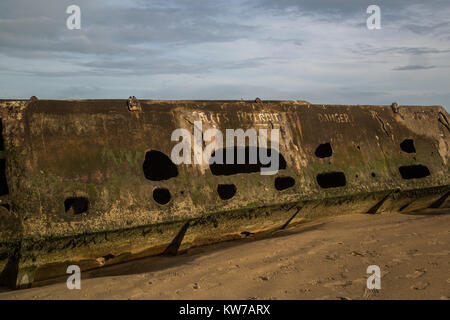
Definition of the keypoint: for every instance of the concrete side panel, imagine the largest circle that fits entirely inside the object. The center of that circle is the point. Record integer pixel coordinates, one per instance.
(80, 189)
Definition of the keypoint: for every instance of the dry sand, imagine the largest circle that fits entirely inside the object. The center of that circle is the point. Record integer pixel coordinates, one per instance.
(323, 259)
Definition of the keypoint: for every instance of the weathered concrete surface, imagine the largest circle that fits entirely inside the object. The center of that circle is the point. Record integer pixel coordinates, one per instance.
(95, 150)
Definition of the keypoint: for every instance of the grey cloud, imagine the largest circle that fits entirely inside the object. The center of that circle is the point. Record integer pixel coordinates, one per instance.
(224, 49)
(311, 7)
(413, 67)
(110, 29)
(395, 14)
(77, 92)
(365, 49)
(143, 66)
(442, 28)
(346, 8)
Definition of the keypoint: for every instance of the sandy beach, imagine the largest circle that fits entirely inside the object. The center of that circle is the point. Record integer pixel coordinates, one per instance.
(322, 259)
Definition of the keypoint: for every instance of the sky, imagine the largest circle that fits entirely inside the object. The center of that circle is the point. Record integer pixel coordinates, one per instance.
(320, 51)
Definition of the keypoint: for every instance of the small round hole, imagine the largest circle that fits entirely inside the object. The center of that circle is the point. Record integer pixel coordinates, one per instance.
(324, 150)
(226, 191)
(407, 146)
(373, 174)
(161, 195)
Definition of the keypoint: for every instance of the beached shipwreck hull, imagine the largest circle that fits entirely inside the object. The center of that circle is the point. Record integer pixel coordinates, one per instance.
(92, 183)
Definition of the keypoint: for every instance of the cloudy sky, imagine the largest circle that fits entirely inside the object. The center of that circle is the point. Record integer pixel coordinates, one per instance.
(315, 50)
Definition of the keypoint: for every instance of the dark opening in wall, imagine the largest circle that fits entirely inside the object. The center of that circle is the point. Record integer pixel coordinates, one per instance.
(109, 256)
(2, 142)
(157, 166)
(76, 205)
(226, 191)
(414, 172)
(282, 183)
(161, 195)
(324, 150)
(407, 146)
(3, 183)
(331, 179)
(226, 169)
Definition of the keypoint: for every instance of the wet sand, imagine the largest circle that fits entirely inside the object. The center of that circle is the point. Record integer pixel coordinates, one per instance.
(322, 259)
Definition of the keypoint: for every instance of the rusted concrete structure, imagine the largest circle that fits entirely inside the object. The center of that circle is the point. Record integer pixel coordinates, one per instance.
(91, 182)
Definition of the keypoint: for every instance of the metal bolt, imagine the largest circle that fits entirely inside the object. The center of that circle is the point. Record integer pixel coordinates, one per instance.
(394, 107)
(133, 104)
